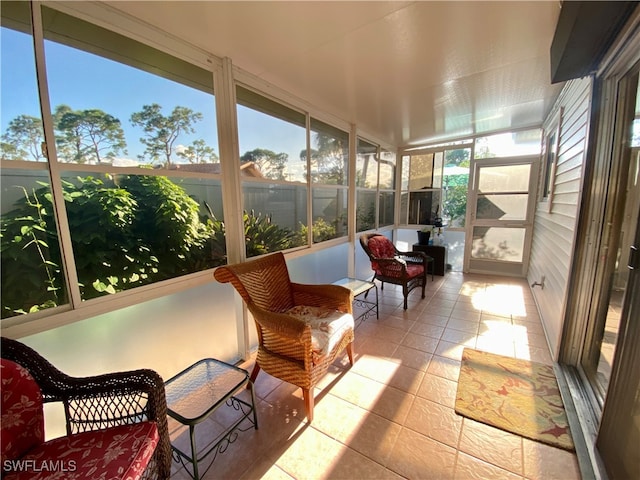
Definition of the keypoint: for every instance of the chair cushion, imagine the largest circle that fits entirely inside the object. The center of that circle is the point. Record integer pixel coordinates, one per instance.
(381, 247)
(327, 327)
(117, 453)
(22, 411)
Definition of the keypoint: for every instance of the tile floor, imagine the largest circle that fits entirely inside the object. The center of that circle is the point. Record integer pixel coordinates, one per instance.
(391, 415)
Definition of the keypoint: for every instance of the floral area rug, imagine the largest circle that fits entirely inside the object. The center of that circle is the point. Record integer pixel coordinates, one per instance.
(518, 396)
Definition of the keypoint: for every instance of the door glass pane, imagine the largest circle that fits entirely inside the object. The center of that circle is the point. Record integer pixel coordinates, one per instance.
(498, 243)
(502, 207)
(504, 178)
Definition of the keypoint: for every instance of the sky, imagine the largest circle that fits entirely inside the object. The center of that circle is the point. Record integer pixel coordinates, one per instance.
(85, 81)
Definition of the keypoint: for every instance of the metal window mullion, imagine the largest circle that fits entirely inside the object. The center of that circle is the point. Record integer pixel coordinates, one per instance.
(309, 182)
(60, 212)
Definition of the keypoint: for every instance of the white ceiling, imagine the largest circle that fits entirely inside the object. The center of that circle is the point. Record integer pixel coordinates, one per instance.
(405, 72)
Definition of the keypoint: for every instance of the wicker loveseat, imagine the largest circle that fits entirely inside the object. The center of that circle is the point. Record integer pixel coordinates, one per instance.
(116, 423)
(301, 328)
(390, 265)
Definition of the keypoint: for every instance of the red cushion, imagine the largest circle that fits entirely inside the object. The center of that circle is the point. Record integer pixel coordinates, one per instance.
(117, 453)
(22, 414)
(381, 247)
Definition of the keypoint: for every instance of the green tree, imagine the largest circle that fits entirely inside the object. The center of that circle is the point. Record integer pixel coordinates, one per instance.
(162, 132)
(328, 160)
(23, 139)
(198, 152)
(270, 163)
(88, 136)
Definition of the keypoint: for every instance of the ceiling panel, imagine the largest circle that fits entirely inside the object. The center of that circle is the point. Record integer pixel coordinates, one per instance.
(406, 72)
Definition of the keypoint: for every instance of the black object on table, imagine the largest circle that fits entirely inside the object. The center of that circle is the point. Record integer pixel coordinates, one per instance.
(196, 393)
(439, 254)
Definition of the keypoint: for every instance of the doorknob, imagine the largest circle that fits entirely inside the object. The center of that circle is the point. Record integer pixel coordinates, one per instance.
(634, 258)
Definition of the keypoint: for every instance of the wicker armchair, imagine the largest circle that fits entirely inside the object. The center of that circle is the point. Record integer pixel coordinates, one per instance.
(117, 404)
(390, 265)
(301, 328)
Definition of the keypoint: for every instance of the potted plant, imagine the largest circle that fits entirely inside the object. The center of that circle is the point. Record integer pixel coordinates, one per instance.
(424, 233)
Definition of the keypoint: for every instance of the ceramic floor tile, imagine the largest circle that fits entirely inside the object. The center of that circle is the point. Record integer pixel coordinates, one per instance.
(471, 468)
(444, 367)
(427, 329)
(439, 390)
(435, 421)
(492, 445)
(452, 350)
(544, 462)
(412, 358)
(418, 456)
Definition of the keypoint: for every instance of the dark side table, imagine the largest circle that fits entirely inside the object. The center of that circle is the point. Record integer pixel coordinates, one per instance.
(439, 254)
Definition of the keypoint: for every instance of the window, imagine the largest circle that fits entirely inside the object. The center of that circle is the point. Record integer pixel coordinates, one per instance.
(366, 185)
(136, 147)
(387, 185)
(329, 165)
(455, 185)
(422, 177)
(549, 158)
(33, 273)
(273, 161)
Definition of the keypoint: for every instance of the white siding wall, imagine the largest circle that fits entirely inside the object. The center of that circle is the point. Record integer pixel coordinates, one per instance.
(554, 232)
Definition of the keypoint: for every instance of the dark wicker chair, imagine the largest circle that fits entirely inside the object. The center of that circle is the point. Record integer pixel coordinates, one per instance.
(390, 265)
(286, 349)
(102, 401)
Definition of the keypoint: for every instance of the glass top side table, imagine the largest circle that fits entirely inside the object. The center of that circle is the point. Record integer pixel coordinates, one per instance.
(358, 287)
(196, 393)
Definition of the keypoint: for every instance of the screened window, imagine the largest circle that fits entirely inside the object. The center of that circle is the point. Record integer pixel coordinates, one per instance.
(366, 185)
(135, 140)
(273, 160)
(32, 272)
(387, 180)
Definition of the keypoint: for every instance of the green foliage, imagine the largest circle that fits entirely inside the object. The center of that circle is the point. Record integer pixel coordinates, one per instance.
(455, 205)
(198, 152)
(262, 236)
(321, 231)
(143, 230)
(270, 163)
(161, 132)
(23, 139)
(31, 274)
(87, 135)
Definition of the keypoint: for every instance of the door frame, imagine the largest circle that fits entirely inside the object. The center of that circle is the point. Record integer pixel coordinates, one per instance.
(518, 269)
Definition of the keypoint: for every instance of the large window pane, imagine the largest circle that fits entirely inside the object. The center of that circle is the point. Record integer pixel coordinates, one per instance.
(455, 183)
(497, 243)
(329, 154)
(424, 207)
(366, 210)
(272, 138)
(275, 217)
(509, 144)
(32, 273)
(366, 165)
(133, 230)
(386, 208)
(421, 171)
(387, 170)
(109, 108)
(329, 213)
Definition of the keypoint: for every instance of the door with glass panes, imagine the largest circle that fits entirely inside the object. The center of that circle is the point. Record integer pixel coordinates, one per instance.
(500, 215)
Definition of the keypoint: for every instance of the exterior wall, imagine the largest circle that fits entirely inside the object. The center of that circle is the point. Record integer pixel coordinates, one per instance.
(554, 233)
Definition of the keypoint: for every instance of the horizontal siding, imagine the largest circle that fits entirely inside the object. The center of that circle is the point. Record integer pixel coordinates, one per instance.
(554, 232)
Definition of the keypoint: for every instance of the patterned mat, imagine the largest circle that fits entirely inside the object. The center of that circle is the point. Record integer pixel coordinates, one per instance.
(518, 396)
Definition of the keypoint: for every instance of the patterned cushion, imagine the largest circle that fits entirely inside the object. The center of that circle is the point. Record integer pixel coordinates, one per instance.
(117, 453)
(381, 247)
(327, 327)
(22, 413)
